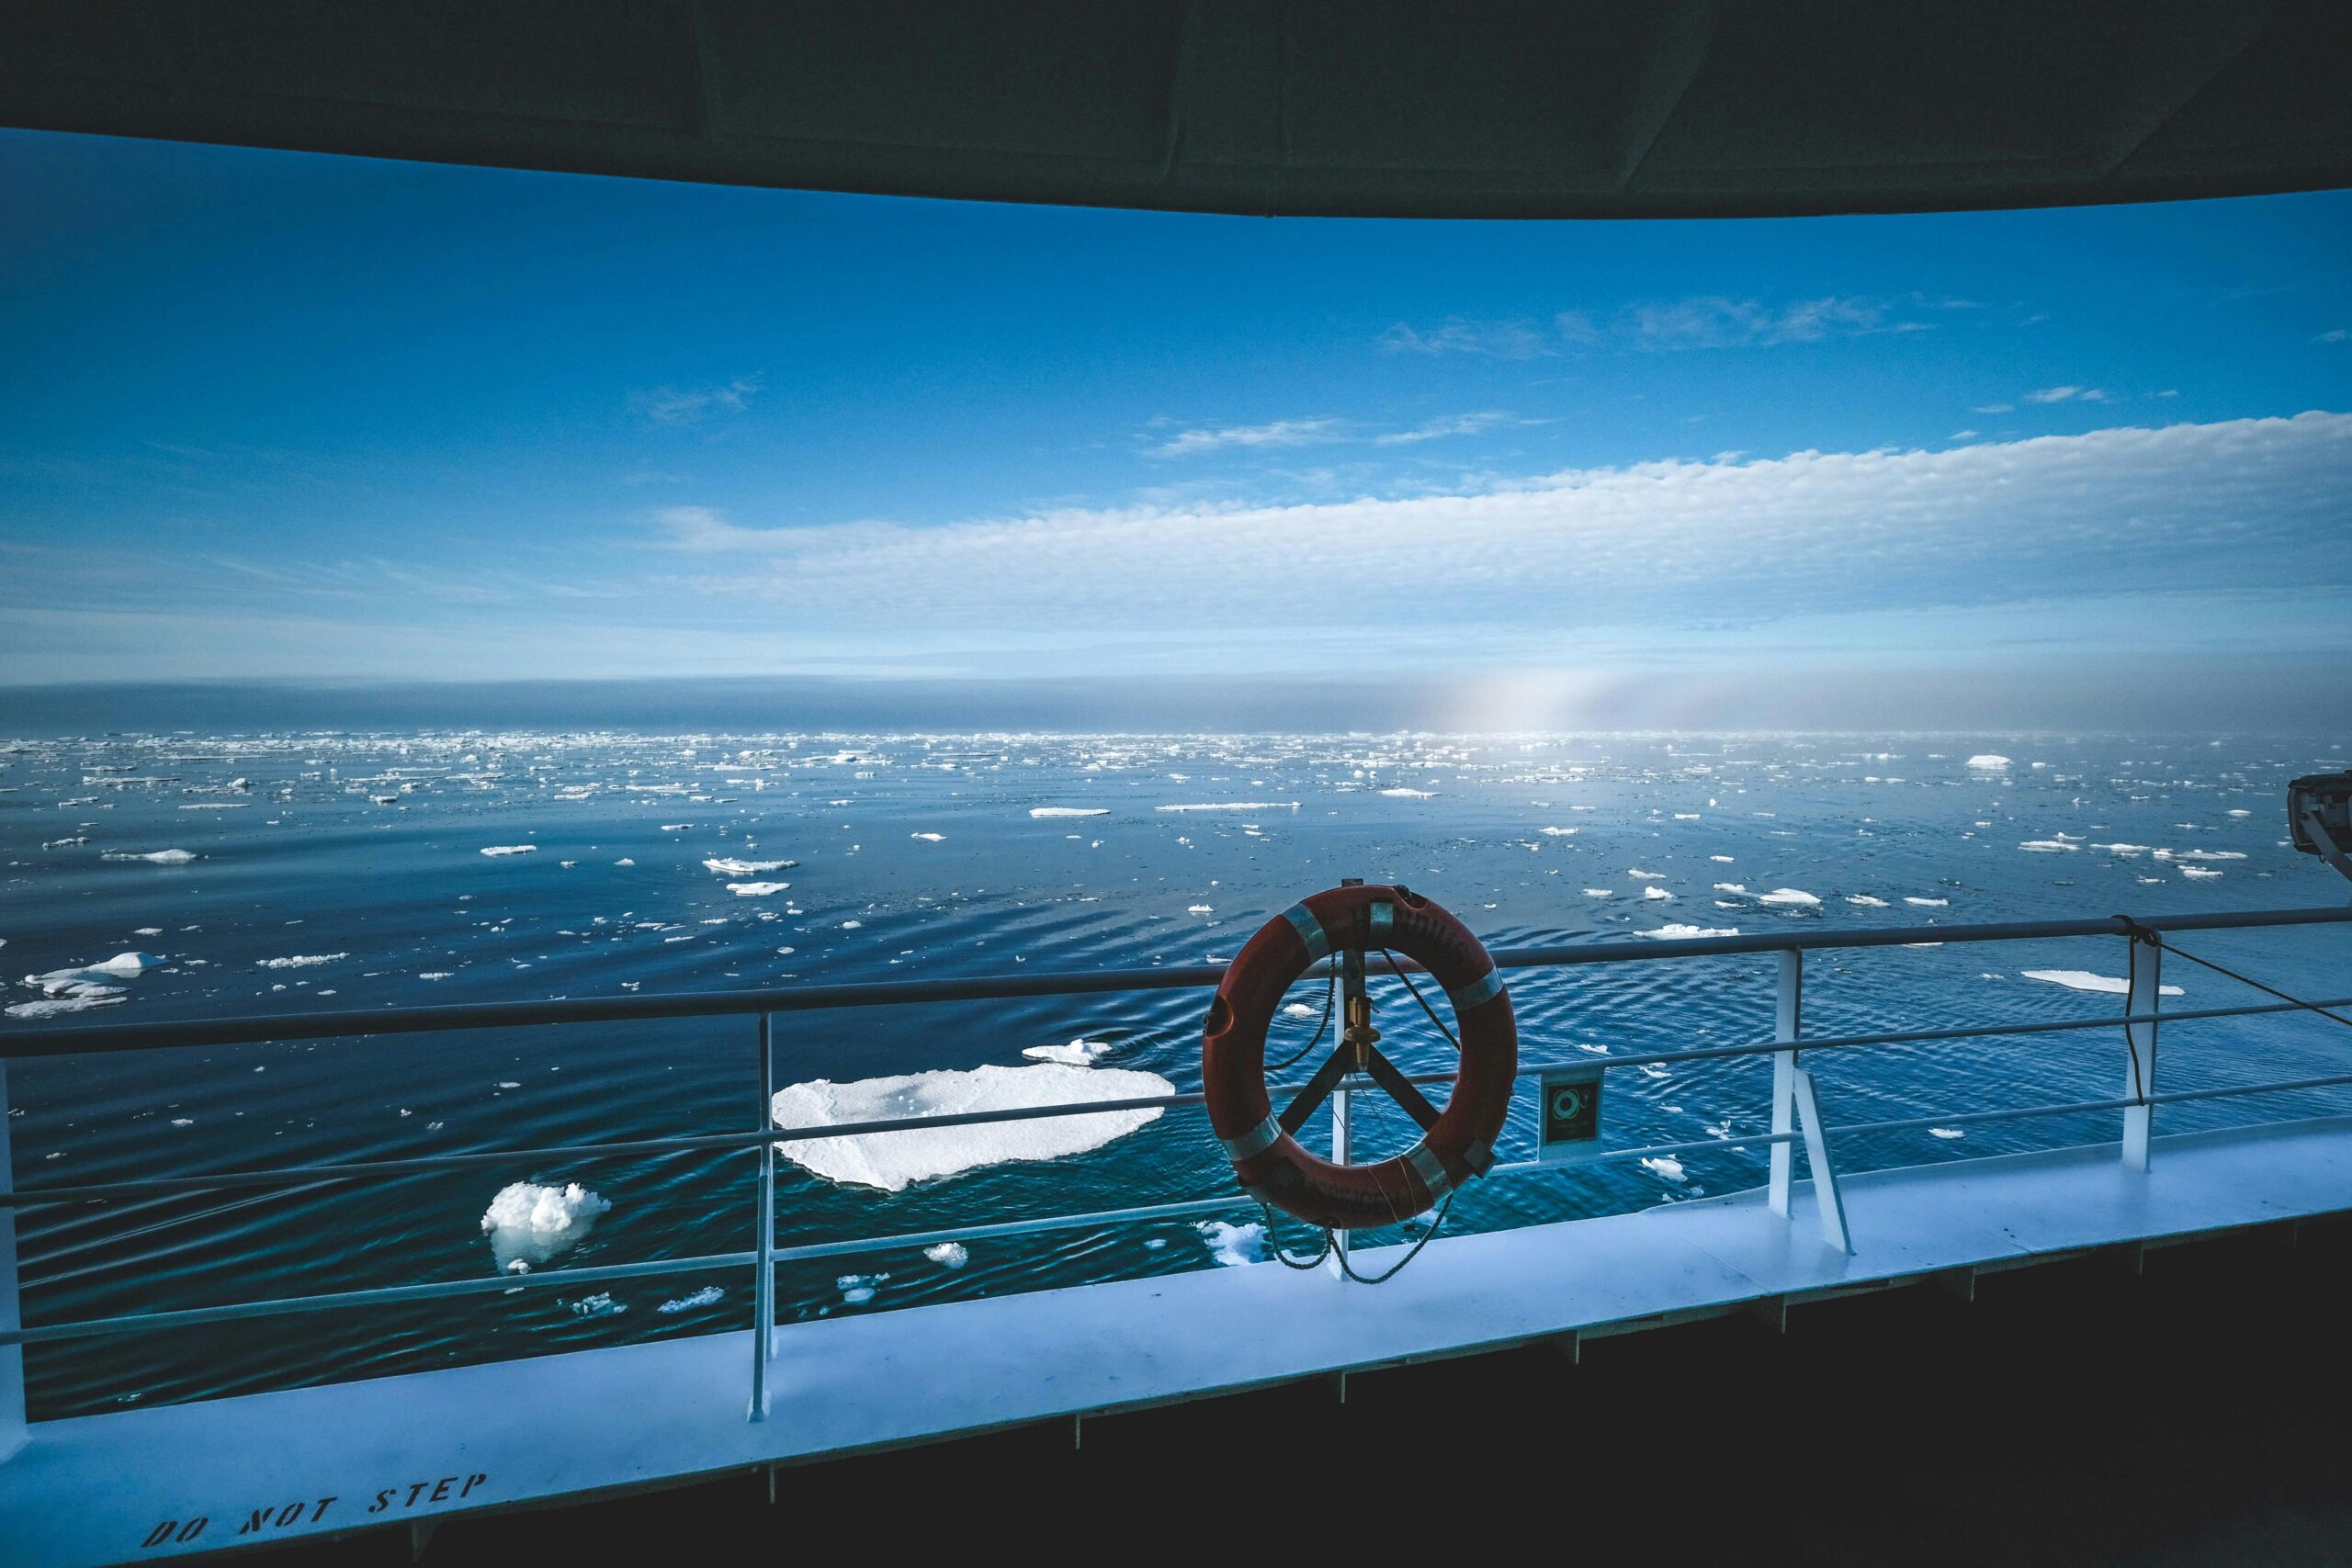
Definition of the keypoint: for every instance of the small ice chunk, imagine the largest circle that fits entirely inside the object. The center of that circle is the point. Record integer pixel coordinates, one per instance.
(851, 925)
(57, 1006)
(512, 849)
(1555, 833)
(1299, 1010)
(1864, 901)
(1658, 895)
(1199, 909)
(1234, 1246)
(948, 1254)
(1684, 933)
(727, 866)
(1928, 903)
(160, 857)
(1076, 1053)
(2198, 871)
(710, 1295)
(756, 889)
(127, 964)
(1639, 875)
(1946, 1133)
(301, 961)
(930, 838)
(2047, 847)
(858, 1288)
(1731, 887)
(1410, 794)
(1665, 1166)
(601, 1305)
(1069, 811)
(1600, 893)
(1988, 760)
(529, 1224)
(1790, 898)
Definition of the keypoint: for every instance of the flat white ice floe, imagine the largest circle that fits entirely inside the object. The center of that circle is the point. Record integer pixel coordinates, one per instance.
(601, 1305)
(1299, 1010)
(1665, 1166)
(1234, 805)
(1657, 895)
(930, 838)
(529, 1222)
(1789, 899)
(2084, 980)
(1639, 875)
(890, 1162)
(158, 857)
(1864, 901)
(1233, 1245)
(1928, 903)
(1069, 811)
(1988, 760)
(512, 849)
(127, 964)
(2048, 847)
(1410, 794)
(301, 961)
(948, 1254)
(1683, 933)
(57, 1006)
(1555, 833)
(2198, 871)
(1946, 1133)
(756, 889)
(726, 866)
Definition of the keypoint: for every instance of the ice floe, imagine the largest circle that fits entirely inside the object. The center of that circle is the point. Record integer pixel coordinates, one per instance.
(1988, 760)
(2085, 980)
(601, 1305)
(1657, 895)
(512, 849)
(1683, 933)
(1069, 811)
(1557, 832)
(858, 1288)
(756, 889)
(1928, 903)
(1946, 1133)
(1234, 805)
(726, 866)
(930, 838)
(158, 857)
(301, 961)
(1665, 1166)
(948, 1254)
(1410, 794)
(529, 1224)
(893, 1161)
(1864, 901)
(1790, 898)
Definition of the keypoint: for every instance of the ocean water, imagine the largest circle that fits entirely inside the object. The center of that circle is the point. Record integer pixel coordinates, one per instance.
(213, 875)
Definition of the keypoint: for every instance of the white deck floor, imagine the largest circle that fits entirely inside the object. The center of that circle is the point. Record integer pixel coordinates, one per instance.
(96, 1489)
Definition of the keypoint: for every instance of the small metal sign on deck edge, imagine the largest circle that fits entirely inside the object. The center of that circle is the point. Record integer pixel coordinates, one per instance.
(1568, 1112)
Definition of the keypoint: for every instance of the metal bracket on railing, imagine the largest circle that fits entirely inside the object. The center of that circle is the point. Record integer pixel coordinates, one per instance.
(1795, 1104)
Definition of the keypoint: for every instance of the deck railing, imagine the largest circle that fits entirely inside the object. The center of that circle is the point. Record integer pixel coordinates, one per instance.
(1796, 1114)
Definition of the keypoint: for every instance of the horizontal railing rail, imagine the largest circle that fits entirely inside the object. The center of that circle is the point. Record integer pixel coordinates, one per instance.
(81, 1039)
(1785, 1046)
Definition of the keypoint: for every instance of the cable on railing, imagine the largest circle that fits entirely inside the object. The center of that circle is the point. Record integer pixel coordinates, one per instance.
(1397, 970)
(1330, 990)
(2139, 933)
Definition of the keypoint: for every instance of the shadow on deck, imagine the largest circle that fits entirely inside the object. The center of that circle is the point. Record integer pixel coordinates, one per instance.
(2191, 1412)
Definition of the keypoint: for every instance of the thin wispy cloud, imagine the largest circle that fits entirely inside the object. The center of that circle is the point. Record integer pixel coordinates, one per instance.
(1686, 543)
(688, 405)
(1280, 432)
(1994, 408)
(2066, 395)
(1492, 340)
(1457, 424)
(1703, 321)
(2337, 334)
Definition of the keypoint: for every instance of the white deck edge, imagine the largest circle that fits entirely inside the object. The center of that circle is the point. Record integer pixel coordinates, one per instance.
(428, 1446)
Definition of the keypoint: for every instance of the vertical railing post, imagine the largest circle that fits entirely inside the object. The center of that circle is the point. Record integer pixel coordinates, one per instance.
(13, 1434)
(1788, 1019)
(2139, 1049)
(763, 1282)
(1796, 1105)
(1337, 1263)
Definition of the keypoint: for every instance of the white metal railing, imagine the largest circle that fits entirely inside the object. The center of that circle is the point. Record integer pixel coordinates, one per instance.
(1795, 1115)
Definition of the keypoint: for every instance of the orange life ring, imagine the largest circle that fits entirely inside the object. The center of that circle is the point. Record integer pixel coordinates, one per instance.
(1456, 1146)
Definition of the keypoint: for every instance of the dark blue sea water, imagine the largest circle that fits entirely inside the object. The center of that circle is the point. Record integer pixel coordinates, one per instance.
(346, 871)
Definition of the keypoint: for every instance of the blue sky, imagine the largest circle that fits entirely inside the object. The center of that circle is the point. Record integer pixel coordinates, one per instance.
(283, 415)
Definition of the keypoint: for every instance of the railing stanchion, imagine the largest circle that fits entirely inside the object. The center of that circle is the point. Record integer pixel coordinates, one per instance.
(1796, 1104)
(764, 1280)
(1788, 1019)
(12, 1357)
(2139, 1049)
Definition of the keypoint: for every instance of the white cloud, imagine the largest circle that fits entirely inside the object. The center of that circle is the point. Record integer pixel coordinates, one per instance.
(1676, 543)
(1704, 320)
(2066, 395)
(1961, 435)
(1281, 433)
(1994, 408)
(2337, 336)
(677, 406)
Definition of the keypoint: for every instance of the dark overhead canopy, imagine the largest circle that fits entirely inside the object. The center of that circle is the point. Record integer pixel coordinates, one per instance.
(1493, 108)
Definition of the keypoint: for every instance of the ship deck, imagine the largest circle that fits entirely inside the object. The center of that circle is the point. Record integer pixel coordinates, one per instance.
(422, 1448)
